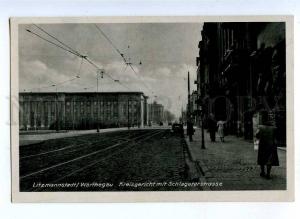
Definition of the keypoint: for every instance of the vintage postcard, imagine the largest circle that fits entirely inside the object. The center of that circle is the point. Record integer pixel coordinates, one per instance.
(130, 109)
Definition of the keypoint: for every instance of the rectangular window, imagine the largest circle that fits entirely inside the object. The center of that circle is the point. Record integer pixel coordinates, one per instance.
(115, 110)
(52, 108)
(95, 107)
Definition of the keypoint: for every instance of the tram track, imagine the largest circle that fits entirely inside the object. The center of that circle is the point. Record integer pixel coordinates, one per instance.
(49, 158)
(91, 143)
(114, 153)
(61, 170)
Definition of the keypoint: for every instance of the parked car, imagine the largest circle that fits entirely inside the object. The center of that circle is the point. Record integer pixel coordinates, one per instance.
(177, 128)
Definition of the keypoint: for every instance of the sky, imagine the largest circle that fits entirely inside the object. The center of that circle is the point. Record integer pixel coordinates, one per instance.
(167, 52)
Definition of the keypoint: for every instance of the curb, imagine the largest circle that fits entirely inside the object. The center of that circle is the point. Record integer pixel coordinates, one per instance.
(200, 167)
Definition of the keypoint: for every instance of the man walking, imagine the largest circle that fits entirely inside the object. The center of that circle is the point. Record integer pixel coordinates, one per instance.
(212, 127)
(190, 129)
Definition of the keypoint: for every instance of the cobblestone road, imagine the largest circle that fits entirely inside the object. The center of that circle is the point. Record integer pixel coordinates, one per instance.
(144, 163)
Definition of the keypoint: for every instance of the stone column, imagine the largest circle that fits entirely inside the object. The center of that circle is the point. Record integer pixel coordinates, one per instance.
(142, 112)
(21, 114)
(42, 115)
(34, 114)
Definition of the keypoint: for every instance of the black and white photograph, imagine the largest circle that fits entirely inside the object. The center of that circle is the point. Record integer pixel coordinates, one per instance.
(152, 106)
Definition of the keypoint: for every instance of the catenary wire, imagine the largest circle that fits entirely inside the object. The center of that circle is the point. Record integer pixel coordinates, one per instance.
(76, 54)
(121, 54)
(64, 44)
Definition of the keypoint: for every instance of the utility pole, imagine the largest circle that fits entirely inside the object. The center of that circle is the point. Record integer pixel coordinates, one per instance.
(189, 98)
(202, 128)
(73, 114)
(99, 71)
(56, 108)
(97, 101)
(182, 114)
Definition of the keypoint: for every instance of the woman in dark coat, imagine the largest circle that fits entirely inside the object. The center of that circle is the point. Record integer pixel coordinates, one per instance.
(267, 149)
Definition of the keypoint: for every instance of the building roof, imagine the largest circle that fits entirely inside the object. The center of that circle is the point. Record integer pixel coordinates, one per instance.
(85, 93)
(113, 92)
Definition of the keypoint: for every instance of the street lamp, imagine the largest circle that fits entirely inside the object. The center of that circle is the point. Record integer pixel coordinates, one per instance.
(202, 128)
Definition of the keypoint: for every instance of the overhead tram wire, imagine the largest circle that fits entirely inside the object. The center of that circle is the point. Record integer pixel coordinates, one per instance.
(141, 80)
(97, 67)
(36, 88)
(78, 54)
(121, 54)
(66, 81)
(72, 51)
(87, 88)
(64, 44)
(62, 82)
(79, 70)
(55, 84)
(51, 42)
(111, 43)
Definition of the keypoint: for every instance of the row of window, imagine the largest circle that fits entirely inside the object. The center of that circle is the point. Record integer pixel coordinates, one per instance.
(47, 115)
(37, 120)
(26, 107)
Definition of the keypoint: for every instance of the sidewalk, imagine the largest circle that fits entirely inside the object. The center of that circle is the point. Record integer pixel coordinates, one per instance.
(233, 163)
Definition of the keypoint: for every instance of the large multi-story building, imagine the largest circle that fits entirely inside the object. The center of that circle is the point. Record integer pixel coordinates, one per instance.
(76, 110)
(241, 71)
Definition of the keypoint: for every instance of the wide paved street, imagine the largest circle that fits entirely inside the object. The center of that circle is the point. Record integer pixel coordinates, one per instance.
(135, 160)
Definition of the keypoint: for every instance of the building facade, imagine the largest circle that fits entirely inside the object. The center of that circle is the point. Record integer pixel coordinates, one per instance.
(194, 108)
(81, 110)
(241, 73)
(156, 113)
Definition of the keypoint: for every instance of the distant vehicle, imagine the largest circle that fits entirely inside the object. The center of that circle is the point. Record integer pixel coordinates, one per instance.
(161, 123)
(170, 123)
(177, 127)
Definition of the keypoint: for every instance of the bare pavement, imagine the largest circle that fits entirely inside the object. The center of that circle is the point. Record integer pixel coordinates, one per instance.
(233, 164)
(34, 137)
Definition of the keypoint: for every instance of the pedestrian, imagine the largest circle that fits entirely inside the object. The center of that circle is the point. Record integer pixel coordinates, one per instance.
(190, 130)
(267, 148)
(220, 125)
(181, 130)
(212, 127)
